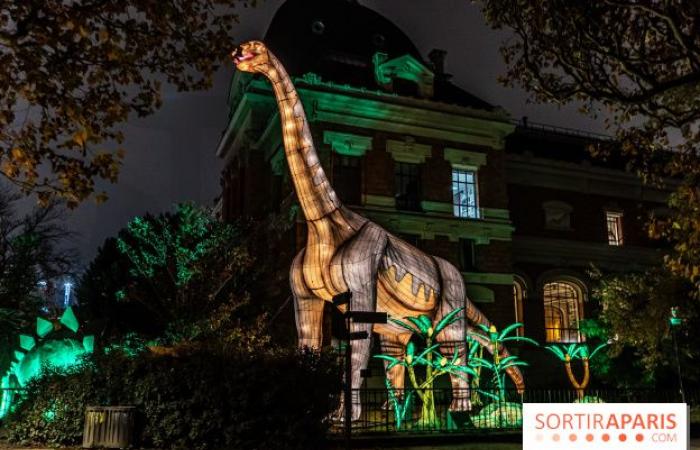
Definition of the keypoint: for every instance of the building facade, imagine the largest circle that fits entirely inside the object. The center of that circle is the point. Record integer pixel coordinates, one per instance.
(520, 209)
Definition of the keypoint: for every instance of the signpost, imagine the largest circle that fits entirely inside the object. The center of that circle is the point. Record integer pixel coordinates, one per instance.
(345, 299)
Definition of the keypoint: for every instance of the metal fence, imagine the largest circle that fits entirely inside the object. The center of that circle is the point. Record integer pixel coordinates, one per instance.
(489, 411)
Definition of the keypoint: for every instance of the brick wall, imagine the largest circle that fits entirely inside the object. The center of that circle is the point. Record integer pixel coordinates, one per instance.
(494, 257)
(437, 177)
(378, 167)
(493, 191)
(587, 218)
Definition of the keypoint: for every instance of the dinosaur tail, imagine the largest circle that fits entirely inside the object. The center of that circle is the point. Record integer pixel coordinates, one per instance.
(475, 316)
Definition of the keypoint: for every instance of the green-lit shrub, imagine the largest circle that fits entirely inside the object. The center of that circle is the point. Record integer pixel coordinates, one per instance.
(196, 398)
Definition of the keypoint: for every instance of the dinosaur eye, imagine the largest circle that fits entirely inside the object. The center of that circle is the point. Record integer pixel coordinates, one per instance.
(318, 27)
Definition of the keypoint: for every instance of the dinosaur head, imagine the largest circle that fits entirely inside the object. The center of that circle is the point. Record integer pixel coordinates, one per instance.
(251, 56)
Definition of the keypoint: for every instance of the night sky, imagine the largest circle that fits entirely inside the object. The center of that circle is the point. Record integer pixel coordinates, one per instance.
(171, 155)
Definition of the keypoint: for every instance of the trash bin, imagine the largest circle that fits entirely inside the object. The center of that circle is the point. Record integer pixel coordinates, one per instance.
(109, 427)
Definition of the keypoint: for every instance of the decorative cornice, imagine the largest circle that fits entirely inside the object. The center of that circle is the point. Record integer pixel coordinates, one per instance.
(427, 226)
(374, 110)
(565, 253)
(480, 294)
(405, 67)
(437, 207)
(464, 159)
(346, 143)
(381, 201)
(488, 278)
(408, 151)
(584, 178)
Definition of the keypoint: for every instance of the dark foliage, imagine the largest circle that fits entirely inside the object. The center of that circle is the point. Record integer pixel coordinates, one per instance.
(200, 398)
(74, 71)
(638, 63)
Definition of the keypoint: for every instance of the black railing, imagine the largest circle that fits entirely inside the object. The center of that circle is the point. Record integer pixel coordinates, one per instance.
(383, 413)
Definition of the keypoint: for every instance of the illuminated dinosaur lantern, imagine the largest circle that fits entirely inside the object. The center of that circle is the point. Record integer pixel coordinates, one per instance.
(45, 349)
(346, 252)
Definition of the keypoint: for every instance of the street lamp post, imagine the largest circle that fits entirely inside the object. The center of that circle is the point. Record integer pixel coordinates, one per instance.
(349, 317)
(675, 321)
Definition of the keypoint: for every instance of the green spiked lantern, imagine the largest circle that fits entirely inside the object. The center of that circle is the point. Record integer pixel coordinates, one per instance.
(46, 349)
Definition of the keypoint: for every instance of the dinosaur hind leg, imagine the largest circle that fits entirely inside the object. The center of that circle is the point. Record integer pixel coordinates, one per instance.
(395, 345)
(452, 338)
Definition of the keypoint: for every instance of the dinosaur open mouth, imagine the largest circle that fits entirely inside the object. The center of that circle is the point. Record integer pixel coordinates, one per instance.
(243, 57)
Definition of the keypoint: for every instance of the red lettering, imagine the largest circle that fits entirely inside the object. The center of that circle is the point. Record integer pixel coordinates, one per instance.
(566, 422)
(549, 421)
(597, 421)
(539, 424)
(638, 422)
(626, 419)
(671, 421)
(652, 421)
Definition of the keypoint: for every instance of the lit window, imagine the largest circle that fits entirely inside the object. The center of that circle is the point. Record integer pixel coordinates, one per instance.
(563, 310)
(519, 295)
(464, 196)
(407, 180)
(614, 224)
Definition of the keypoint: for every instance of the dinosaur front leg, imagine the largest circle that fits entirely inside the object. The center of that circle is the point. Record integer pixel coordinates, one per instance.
(308, 309)
(309, 321)
(360, 358)
(452, 338)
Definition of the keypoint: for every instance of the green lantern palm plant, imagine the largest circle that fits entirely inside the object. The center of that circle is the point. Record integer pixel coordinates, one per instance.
(567, 354)
(429, 358)
(499, 412)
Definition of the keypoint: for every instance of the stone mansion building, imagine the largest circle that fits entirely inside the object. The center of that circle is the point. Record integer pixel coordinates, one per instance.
(521, 209)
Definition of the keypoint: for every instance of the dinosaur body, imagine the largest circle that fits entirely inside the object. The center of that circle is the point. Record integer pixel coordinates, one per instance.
(346, 252)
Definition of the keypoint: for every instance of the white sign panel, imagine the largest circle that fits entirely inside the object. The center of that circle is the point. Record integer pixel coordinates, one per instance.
(605, 426)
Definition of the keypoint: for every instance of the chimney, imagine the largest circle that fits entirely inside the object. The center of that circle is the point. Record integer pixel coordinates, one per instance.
(437, 58)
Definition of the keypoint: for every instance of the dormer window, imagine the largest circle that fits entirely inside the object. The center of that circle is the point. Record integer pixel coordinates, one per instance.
(396, 74)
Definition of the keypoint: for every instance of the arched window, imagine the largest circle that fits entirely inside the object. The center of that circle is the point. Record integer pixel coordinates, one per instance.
(519, 295)
(563, 309)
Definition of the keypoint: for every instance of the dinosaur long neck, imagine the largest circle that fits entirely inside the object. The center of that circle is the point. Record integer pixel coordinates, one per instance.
(315, 193)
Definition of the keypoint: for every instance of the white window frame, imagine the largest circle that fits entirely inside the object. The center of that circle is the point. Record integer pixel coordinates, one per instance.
(613, 227)
(465, 211)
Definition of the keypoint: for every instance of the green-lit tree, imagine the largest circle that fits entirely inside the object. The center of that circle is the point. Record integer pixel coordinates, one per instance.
(634, 311)
(187, 272)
